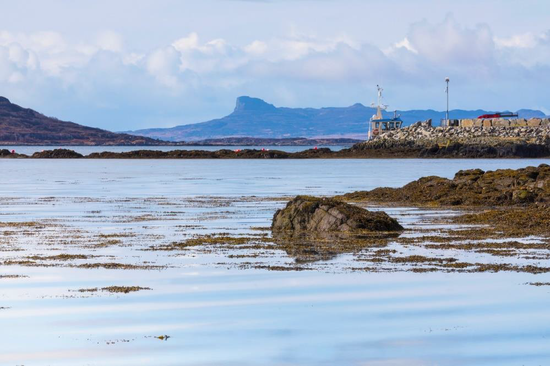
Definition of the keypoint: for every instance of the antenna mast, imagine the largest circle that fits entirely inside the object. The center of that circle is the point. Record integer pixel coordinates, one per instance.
(379, 107)
(447, 91)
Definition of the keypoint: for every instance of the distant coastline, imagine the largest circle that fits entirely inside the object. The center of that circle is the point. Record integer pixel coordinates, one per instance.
(255, 117)
(230, 141)
(420, 140)
(252, 123)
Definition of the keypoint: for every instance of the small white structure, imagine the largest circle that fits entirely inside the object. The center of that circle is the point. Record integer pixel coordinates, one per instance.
(378, 124)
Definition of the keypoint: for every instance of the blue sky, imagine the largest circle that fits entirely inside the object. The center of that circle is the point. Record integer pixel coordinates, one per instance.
(134, 64)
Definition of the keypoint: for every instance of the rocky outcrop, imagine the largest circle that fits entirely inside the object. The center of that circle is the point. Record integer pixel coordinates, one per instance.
(305, 214)
(218, 154)
(5, 153)
(386, 150)
(522, 187)
(421, 140)
(57, 154)
(503, 203)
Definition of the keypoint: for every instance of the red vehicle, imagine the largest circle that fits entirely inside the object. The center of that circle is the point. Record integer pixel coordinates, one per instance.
(499, 115)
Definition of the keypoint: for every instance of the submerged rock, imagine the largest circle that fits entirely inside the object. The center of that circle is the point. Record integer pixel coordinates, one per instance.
(306, 214)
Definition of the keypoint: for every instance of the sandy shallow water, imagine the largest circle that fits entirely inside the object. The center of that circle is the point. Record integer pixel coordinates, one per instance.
(224, 305)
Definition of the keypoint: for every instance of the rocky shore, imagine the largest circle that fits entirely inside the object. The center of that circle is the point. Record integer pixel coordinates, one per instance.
(423, 140)
(471, 188)
(514, 202)
(417, 141)
(498, 211)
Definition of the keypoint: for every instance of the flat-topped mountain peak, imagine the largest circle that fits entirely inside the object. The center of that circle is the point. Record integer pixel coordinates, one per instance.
(246, 103)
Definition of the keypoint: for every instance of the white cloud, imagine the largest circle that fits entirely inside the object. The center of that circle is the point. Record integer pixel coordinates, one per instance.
(106, 71)
(426, 49)
(21, 57)
(299, 46)
(163, 64)
(109, 41)
(187, 43)
(526, 40)
(133, 58)
(51, 42)
(216, 46)
(406, 44)
(450, 44)
(528, 50)
(256, 48)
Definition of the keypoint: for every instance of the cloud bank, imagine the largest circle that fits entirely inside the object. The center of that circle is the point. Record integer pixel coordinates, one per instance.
(101, 82)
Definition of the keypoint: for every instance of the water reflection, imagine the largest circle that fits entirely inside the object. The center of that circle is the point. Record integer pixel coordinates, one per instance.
(306, 248)
(217, 313)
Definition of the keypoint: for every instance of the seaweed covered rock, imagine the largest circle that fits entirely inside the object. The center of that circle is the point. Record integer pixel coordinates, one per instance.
(57, 154)
(5, 153)
(505, 187)
(305, 214)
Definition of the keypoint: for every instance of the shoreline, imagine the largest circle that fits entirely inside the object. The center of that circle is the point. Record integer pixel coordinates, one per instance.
(420, 140)
(397, 151)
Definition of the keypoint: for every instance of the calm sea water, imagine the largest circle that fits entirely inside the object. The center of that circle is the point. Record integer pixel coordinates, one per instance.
(223, 315)
(85, 150)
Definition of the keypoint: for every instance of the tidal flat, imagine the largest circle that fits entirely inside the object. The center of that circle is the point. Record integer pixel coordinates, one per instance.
(173, 262)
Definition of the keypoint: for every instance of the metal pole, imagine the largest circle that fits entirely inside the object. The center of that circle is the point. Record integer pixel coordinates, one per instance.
(447, 90)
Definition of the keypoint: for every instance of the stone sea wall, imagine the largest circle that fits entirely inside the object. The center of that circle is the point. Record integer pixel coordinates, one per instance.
(422, 140)
(423, 134)
(503, 122)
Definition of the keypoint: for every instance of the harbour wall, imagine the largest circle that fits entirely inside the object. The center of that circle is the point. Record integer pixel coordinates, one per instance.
(498, 122)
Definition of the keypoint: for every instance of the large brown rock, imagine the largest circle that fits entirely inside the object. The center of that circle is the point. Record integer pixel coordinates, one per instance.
(305, 214)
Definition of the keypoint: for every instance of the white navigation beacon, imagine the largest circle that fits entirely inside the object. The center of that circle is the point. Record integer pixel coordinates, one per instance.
(378, 124)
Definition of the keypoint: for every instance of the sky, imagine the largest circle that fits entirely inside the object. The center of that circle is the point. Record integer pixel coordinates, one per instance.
(131, 64)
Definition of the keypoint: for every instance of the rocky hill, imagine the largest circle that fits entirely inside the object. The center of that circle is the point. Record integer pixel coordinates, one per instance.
(22, 126)
(253, 117)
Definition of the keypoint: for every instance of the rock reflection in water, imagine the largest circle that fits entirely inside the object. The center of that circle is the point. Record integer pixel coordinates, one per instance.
(307, 247)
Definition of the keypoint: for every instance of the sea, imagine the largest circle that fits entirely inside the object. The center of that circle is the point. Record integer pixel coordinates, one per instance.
(214, 306)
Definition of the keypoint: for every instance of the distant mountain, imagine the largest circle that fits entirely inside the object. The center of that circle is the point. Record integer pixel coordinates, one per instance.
(21, 126)
(253, 117)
